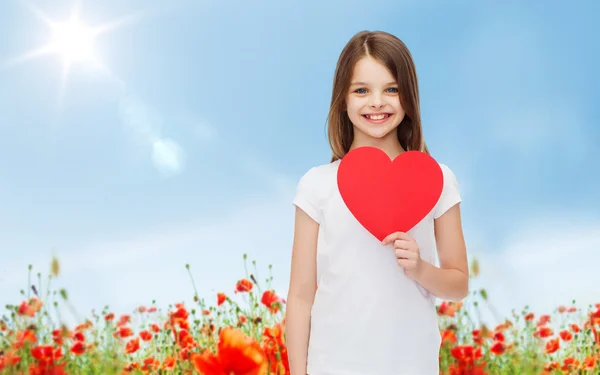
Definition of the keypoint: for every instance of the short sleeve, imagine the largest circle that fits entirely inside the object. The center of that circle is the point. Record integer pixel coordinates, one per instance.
(450, 193)
(307, 193)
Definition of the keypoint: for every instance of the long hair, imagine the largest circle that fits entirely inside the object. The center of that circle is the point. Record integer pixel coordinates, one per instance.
(393, 53)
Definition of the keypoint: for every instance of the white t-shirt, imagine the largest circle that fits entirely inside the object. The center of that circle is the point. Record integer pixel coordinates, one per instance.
(368, 317)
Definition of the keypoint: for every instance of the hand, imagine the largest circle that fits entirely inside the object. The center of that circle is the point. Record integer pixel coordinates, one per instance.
(408, 253)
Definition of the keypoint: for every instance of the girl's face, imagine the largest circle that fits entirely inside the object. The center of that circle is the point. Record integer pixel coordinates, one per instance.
(372, 102)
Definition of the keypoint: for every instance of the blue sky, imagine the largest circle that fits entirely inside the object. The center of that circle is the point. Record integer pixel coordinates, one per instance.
(189, 146)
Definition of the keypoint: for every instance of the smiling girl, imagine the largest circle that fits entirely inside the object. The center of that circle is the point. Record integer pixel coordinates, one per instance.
(373, 312)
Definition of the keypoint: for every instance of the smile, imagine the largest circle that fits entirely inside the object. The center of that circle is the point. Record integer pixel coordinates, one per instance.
(377, 118)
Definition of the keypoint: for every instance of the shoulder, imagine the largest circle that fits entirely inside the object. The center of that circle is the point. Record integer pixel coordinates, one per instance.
(447, 172)
(313, 188)
(319, 174)
(450, 191)
(444, 167)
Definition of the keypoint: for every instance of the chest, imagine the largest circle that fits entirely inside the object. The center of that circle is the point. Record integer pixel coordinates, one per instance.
(340, 228)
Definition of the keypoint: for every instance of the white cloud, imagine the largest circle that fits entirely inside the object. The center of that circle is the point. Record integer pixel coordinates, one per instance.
(167, 156)
(549, 262)
(145, 126)
(126, 273)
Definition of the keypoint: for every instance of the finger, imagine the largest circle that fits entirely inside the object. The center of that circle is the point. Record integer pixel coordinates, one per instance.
(404, 263)
(403, 244)
(405, 254)
(394, 236)
(389, 238)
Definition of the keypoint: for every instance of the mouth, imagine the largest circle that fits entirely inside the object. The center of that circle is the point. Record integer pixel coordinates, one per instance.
(377, 118)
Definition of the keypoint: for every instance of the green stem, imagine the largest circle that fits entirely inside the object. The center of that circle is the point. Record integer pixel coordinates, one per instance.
(187, 266)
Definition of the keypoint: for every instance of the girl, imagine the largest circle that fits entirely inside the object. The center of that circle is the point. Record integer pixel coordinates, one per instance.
(373, 312)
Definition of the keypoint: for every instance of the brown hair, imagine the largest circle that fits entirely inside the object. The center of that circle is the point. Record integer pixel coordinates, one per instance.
(394, 54)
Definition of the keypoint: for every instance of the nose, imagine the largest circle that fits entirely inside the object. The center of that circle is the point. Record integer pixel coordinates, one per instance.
(376, 102)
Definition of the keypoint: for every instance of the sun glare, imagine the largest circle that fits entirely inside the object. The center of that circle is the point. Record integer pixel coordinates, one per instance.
(73, 41)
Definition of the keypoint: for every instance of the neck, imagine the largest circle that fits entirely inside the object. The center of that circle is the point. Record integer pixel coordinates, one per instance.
(389, 144)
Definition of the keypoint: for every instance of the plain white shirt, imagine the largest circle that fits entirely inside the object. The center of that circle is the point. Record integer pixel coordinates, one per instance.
(368, 318)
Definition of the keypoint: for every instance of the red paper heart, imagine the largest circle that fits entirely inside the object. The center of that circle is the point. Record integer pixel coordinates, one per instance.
(388, 196)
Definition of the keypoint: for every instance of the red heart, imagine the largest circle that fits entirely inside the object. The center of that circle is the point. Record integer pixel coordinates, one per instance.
(388, 196)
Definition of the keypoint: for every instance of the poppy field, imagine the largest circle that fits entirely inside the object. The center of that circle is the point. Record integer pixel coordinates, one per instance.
(224, 337)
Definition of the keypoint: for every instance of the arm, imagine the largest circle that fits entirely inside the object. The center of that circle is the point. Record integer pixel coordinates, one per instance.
(451, 280)
(301, 291)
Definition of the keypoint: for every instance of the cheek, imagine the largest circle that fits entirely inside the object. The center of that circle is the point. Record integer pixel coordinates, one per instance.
(398, 107)
(353, 115)
(353, 107)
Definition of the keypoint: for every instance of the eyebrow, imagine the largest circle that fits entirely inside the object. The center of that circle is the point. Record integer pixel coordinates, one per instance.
(366, 84)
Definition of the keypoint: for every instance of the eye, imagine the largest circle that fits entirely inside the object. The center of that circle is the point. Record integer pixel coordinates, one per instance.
(358, 91)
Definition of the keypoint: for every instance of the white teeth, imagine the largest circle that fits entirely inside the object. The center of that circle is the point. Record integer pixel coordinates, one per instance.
(378, 117)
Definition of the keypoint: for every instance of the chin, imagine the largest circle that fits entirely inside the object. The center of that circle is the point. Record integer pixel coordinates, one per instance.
(381, 134)
(376, 131)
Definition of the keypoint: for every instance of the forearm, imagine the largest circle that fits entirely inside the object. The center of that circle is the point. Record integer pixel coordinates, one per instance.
(297, 328)
(446, 284)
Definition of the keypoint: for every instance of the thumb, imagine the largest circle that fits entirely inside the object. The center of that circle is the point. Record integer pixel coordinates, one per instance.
(391, 237)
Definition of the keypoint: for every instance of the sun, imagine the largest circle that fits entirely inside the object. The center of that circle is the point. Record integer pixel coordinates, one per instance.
(72, 40)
